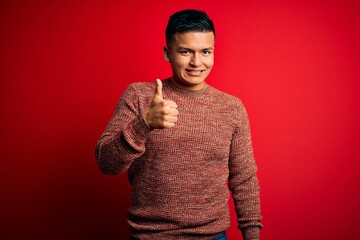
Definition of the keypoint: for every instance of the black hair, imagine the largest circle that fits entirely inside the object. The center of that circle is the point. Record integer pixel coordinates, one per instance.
(188, 21)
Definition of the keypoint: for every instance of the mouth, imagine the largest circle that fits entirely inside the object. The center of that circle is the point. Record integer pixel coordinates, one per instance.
(194, 73)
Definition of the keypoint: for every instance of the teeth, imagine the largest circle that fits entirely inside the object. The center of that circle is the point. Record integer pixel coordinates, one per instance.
(195, 72)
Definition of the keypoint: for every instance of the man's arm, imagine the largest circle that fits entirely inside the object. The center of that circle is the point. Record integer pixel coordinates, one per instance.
(124, 138)
(243, 182)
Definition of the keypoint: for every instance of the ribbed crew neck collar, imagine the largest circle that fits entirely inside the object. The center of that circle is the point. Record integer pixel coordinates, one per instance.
(168, 82)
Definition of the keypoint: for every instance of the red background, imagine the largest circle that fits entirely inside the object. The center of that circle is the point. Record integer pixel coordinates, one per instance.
(64, 64)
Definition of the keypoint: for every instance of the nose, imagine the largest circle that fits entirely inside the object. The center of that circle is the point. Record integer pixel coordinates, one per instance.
(195, 60)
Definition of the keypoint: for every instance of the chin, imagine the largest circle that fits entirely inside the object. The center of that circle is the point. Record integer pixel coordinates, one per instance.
(194, 79)
(192, 82)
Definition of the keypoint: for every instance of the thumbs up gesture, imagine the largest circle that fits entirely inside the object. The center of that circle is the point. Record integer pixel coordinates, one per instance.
(161, 113)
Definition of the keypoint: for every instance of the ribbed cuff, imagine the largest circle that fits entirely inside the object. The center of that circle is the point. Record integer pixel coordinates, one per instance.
(251, 233)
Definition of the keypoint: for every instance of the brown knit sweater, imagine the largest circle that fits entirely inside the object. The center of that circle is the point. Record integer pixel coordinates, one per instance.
(179, 176)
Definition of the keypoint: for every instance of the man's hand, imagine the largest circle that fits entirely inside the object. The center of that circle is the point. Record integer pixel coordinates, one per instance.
(161, 113)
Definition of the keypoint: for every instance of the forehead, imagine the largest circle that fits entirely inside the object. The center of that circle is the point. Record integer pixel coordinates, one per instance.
(193, 40)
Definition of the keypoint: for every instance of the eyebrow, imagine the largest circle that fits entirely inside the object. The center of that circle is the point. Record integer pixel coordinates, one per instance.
(189, 49)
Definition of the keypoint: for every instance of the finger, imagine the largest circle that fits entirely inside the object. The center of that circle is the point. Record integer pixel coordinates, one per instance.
(167, 110)
(174, 112)
(169, 125)
(171, 119)
(171, 104)
(158, 90)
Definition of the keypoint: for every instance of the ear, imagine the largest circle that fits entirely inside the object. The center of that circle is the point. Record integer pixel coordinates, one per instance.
(166, 53)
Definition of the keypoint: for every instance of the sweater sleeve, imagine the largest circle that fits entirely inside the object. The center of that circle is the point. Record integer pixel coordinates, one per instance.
(243, 182)
(123, 140)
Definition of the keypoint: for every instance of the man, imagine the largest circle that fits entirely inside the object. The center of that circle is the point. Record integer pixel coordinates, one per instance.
(181, 140)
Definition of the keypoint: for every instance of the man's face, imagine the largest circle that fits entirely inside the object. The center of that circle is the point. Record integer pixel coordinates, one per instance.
(191, 55)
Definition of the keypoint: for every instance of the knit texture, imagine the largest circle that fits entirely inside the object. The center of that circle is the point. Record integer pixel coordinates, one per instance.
(179, 176)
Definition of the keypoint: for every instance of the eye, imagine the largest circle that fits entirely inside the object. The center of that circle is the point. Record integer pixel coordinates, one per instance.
(206, 52)
(185, 52)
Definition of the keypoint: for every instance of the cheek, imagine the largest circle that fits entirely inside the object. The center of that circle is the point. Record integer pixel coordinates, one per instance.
(180, 63)
(209, 62)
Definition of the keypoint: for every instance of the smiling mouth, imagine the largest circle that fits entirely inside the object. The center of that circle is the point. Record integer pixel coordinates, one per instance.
(194, 72)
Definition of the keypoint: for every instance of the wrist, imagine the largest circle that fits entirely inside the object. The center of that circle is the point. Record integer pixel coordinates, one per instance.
(145, 119)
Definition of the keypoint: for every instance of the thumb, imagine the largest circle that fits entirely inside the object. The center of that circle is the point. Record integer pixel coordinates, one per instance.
(158, 90)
